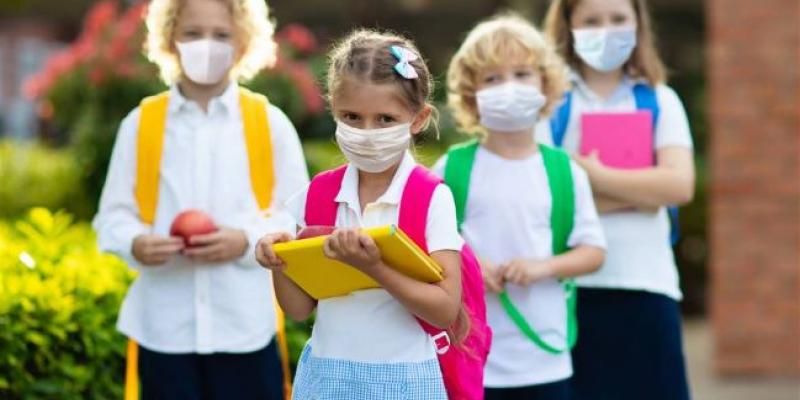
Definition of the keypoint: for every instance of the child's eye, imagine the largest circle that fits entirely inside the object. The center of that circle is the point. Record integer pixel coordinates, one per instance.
(350, 117)
(386, 119)
(591, 21)
(491, 79)
(224, 36)
(619, 19)
(523, 73)
(191, 34)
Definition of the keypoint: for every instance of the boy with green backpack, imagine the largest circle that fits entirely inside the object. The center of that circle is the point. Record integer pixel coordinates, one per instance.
(527, 210)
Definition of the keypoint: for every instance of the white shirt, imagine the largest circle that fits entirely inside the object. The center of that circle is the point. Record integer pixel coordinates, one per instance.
(371, 325)
(184, 307)
(639, 251)
(507, 217)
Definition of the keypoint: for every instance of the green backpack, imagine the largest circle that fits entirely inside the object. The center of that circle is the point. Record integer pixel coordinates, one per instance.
(458, 171)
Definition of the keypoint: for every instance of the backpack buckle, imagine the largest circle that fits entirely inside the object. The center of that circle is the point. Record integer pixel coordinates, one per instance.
(442, 342)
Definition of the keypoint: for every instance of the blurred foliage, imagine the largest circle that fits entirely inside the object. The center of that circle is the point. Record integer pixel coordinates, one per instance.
(34, 175)
(59, 298)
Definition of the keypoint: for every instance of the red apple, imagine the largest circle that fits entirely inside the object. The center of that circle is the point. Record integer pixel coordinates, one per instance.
(190, 223)
(314, 231)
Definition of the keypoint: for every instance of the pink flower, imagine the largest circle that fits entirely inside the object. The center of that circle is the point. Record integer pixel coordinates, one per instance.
(299, 37)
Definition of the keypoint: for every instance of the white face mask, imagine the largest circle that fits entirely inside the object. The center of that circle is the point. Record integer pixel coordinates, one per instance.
(605, 49)
(205, 61)
(510, 107)
(373, 150)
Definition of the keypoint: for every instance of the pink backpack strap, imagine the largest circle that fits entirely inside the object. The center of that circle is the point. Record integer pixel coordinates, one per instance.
(321, 203)
(416, 202)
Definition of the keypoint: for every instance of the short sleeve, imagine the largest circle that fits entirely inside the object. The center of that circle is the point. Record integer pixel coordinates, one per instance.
(672, 128)
(441, 230)
(587, 230)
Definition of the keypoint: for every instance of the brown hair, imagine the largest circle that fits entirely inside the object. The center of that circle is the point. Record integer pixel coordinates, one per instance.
(644, 62)
(365, 55)
(495, 42)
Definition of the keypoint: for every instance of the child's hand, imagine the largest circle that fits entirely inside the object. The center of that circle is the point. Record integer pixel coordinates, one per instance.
(492, 278)
(591, 163)
(526, 272)
(153, 250)
(221, 246)
(352, 247)
(265, 255)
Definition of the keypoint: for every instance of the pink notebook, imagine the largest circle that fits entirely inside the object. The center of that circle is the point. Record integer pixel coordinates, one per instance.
(623, 140)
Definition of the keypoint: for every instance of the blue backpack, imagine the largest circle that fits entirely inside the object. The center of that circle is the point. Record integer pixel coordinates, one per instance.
(645, 100)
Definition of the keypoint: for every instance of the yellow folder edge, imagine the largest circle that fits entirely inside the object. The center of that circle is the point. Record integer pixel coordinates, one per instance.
(322, 277)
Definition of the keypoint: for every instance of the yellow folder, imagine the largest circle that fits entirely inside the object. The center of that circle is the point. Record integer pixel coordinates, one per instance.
(322, 277)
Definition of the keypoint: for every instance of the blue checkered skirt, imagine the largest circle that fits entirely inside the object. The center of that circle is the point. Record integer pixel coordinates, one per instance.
(334, 379)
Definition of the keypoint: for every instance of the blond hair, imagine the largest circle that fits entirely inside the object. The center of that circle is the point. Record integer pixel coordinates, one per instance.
(494, 43)
(251, 18)
(644, 62)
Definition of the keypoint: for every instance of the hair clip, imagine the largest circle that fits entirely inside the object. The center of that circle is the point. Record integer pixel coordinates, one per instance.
(404, 58)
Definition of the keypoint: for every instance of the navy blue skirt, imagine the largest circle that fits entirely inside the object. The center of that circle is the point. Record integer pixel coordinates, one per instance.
(629, 347)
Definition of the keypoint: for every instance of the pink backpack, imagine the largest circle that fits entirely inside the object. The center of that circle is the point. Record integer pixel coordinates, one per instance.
(462, 366)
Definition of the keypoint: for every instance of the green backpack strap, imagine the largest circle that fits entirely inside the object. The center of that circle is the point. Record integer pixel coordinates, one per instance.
(457, 174)
(559, 178)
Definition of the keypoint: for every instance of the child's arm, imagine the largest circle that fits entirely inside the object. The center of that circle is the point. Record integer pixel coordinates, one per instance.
(438, 303)
(295, 302)
(586, 241)
(607, 204)
(117, 223)
(670, 182)
(578, 261)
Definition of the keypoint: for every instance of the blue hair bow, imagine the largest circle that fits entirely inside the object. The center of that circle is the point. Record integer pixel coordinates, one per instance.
(404, 58)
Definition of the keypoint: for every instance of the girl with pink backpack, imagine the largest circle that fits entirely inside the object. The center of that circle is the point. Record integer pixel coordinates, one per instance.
(407, 339)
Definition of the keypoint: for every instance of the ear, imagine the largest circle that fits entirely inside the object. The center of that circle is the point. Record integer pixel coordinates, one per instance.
(421, 120)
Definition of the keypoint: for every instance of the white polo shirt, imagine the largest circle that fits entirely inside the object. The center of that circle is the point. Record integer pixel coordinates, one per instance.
(507, 217)
(371, 325)
(186, 307)
(639, 253)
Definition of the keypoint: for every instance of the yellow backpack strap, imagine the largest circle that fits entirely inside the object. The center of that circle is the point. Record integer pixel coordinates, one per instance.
(259, 145)
(258, 138)
(149, 146)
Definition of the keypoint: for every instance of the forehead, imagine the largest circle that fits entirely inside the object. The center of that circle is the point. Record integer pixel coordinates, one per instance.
(206, 13)
(604, 6)
(369, 98)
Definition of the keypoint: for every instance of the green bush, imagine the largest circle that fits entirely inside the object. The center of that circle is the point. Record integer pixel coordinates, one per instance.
(36, 176)
(59, 298)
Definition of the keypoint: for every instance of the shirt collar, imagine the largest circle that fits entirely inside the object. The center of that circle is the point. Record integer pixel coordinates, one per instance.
(228, 101)
(349, 190)
(625, 86)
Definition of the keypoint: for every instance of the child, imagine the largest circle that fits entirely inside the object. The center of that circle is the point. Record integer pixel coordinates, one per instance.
(367, 344)
(202, 311)
(629, 315)
(502, 80)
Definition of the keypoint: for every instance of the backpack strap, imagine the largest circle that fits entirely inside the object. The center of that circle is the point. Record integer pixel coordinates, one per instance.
(562, 216)
(259, 145)
(149, 147)
(321, 206)
(560, 120)
(415, 204)
(645, 96)
(458, 172)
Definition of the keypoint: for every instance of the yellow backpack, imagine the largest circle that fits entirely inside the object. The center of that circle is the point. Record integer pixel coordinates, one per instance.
(150, 145)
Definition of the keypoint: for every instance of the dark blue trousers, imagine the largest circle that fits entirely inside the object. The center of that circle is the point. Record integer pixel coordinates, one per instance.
(548, 391)
(629, 347)
(221, 376)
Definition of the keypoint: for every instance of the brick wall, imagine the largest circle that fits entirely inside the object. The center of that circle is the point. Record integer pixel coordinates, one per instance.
(754, 94)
